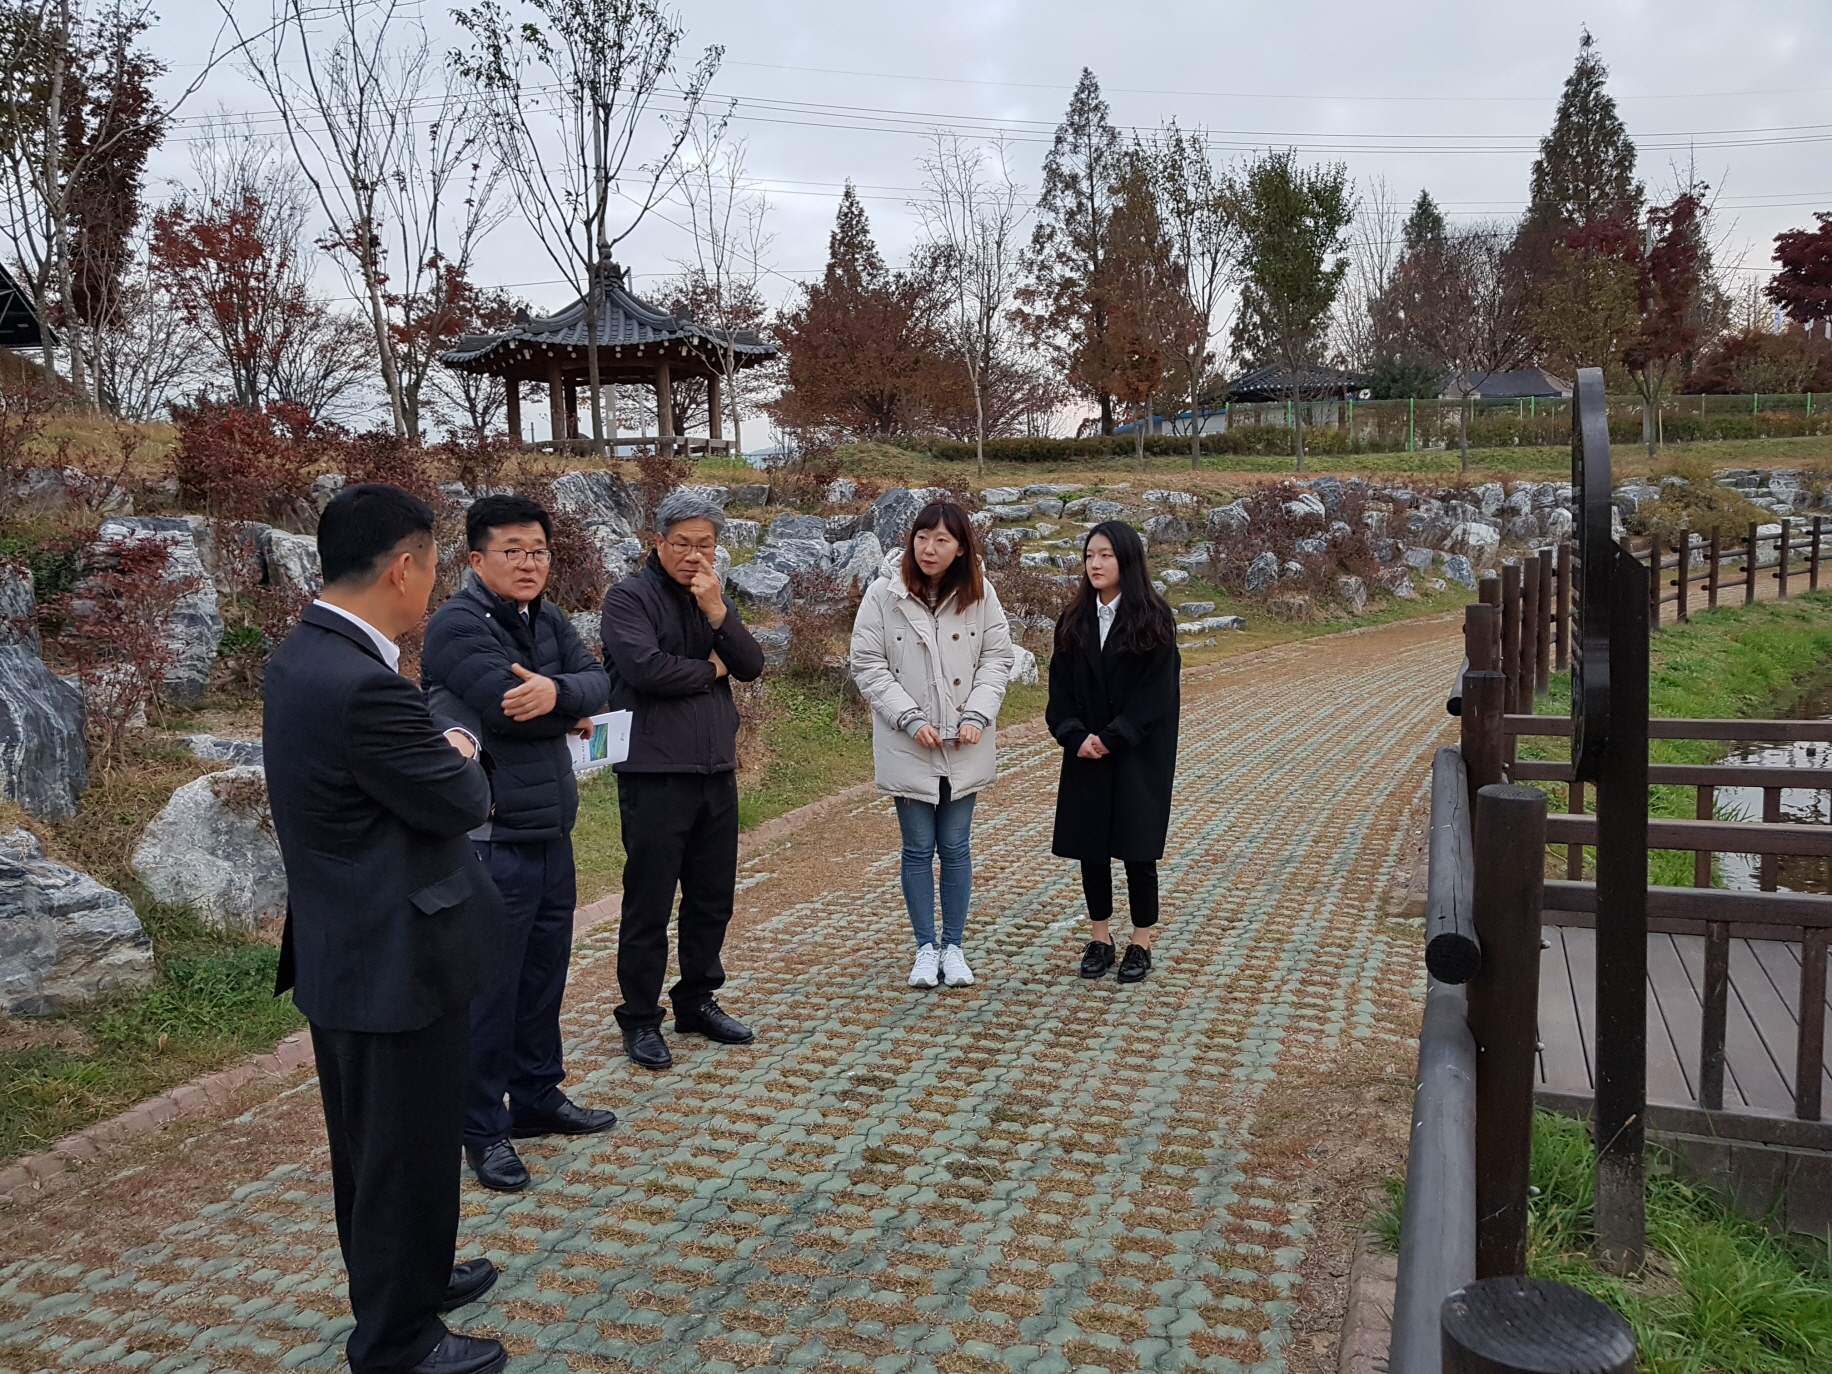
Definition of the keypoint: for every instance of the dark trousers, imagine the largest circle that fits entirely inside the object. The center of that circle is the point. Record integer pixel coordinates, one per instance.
(394, 1111)
(515, 1021)
(1141, 890)
(679, 829)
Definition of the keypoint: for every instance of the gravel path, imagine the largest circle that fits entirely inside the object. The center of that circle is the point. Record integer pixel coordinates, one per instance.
(1035, 1173)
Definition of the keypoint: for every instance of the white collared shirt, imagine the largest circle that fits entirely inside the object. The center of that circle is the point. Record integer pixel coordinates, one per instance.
(386, 647)
(1105, 611)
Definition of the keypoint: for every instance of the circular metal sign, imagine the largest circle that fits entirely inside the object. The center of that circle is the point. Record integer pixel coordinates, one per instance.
(1590, 484)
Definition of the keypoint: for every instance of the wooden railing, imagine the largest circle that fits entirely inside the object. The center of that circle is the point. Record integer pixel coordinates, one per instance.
(1728, 568)
(1703, 909)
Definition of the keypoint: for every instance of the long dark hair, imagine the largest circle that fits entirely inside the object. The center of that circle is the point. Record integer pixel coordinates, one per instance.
(961, 578)
(1144, 623)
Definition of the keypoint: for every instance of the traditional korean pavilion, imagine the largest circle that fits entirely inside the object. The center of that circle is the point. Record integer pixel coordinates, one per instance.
(638, 345)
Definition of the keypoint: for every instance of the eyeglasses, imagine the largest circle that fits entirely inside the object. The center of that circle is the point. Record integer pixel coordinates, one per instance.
(516, 557)
(682, 546)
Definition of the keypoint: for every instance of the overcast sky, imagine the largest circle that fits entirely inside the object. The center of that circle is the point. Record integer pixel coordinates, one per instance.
(1452, 97)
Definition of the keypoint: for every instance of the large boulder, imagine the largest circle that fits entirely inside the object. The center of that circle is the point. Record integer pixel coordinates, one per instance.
(195, 628)
(863, 561)
(1229, 519)
(217, 749)
(1263, 572)
(18, 608)
(38, 490)
(1478, 543)
(1460, 570)
(324, 486)
(759, 584)
(292, 561)
(740, 534)
(791, 556)
(230, 551)
(212, 848)
(589, 626)
(842, 527)
(789, 526)
(1167, 529)
(892, 514)
(1395, 581)
(774, 641)
(598, 498)
(1000, 496)
(43, 758)
(64, 937)
(1354, 594)
(841, 490)
(1024, 665)
(620, 554)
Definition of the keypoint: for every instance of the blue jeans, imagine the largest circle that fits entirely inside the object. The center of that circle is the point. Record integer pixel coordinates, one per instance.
(927, 827)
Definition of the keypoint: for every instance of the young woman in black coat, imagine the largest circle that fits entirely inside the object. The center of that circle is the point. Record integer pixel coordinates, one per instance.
(1113, 708)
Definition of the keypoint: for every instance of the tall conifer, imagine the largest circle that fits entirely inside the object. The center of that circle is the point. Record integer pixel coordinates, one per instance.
(1585, 172)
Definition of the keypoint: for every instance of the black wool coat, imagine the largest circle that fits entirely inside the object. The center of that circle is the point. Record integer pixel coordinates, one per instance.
(1117, 807)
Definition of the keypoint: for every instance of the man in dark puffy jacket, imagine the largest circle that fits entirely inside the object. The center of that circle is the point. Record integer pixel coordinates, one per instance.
(504, 661)
(672, 642)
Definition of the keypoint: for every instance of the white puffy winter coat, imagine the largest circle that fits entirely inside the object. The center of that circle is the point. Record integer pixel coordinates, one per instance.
(916, 669)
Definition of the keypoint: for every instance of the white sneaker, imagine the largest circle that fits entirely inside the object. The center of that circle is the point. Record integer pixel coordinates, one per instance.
(954, 970)
(928, 959)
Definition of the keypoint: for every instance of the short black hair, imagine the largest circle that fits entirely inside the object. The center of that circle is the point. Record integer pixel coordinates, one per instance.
(490, 512)
(363, 525)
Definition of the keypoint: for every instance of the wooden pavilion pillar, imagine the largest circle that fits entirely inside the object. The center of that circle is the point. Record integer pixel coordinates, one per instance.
(556, 402)
(512, 392)
(572, 409)
(664, 410)
(715, 423)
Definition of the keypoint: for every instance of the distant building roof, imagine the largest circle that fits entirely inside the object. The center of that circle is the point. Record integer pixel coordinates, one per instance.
(633, 336)
(1274, 383)
(19, 324)
(1517, 385)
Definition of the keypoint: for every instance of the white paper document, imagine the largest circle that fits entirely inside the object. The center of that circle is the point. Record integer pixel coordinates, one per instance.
(610, 742)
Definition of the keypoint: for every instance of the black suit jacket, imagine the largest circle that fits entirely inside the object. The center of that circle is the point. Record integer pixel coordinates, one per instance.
(391, 920)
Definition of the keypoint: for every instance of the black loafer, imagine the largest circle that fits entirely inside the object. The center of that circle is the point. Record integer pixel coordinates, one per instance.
(456, 1354)
(646, 1047)
(569, 1118)
(1136, 964)
(1096, 959)
(712, 1021)
(470, 1281)
(497, 1166)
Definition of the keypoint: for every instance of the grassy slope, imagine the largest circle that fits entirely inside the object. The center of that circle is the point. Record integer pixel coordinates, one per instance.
(881, 462)
(1735, 661)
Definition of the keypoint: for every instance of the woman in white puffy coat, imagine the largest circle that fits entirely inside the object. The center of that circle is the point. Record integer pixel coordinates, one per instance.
(931, 654)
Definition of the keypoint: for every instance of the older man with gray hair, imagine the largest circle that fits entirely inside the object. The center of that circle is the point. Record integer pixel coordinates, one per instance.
(672, 644)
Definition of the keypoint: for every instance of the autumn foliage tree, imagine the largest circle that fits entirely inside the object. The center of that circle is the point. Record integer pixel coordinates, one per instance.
(1803, 286)
(1063, 302)
(863, 345)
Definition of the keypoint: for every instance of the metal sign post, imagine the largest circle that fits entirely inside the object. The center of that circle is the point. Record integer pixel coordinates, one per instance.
(1609, 747)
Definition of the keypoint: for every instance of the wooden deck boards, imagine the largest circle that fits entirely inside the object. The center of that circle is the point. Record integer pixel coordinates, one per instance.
(1760, 1017)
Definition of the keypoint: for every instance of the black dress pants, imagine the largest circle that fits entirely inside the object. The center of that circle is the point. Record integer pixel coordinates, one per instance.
(394, 1111)
(515, 1021)
(679, 830)
(1141, 890)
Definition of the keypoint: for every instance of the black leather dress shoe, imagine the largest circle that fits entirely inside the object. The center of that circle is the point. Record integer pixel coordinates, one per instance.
(1135, 965)
(569, 1118)
(647, 1048)
(714, 1022)
(498, 1166)
(457, 1354)
(1096, 959)
(470, 1281)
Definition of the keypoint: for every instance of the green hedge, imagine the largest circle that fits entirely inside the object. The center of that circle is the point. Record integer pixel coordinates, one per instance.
(1274, 440)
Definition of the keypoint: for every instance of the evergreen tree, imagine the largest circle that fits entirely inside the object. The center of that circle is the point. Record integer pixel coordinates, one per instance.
(1585, 172)
(853, 260)
(1424, 225)
(1062, 300)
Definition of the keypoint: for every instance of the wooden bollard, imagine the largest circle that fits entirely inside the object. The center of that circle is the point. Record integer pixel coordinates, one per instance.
(1510, 634)
(1542, 626)
(1529, 633)
(1562, 628)
(1750, 559)
(1510, 834)
(1532, 1326)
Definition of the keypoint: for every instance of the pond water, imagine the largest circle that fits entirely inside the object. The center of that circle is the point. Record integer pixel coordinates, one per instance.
(1743, 872)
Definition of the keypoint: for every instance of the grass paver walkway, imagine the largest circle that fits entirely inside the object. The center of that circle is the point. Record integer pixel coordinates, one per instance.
(1034, 1173)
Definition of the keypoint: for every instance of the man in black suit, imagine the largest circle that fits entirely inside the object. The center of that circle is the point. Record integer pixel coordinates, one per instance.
(391, 926)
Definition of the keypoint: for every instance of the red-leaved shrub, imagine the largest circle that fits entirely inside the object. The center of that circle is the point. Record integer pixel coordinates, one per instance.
(242, 464)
